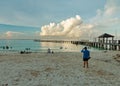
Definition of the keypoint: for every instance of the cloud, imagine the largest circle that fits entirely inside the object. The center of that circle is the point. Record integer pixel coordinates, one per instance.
(19, 35)
(72, 27)
(111, 10)
(106, 20)
(10, 34)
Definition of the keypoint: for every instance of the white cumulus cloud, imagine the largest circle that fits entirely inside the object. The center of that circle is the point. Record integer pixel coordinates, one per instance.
(72, 27)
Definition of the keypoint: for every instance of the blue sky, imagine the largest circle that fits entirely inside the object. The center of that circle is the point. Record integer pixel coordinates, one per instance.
(39, 13)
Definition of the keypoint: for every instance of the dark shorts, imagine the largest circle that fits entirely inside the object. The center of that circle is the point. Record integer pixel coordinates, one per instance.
(85, 59)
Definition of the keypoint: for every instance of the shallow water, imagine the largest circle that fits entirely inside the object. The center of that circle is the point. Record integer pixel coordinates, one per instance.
(33, 46)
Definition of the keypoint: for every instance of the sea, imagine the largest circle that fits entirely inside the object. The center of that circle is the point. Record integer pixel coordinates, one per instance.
(18, 45)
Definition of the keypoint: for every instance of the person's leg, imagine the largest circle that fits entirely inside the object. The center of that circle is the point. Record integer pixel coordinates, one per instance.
(84, 64)
(87, 63)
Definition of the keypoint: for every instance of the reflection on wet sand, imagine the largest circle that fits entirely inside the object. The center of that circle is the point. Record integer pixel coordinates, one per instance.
(61, 46)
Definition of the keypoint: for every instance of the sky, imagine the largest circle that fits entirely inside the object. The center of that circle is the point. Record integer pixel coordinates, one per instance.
(82, 19)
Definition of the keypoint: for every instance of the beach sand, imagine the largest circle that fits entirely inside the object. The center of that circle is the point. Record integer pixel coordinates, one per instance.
(59, 69)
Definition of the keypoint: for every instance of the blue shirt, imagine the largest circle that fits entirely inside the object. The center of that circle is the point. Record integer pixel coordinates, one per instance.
(86, 53)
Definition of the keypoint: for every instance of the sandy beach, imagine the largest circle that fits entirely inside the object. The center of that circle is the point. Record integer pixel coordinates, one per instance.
(59, 69)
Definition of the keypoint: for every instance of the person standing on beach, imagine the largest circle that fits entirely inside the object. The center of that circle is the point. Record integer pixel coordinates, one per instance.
(86, 56)
(49, 50)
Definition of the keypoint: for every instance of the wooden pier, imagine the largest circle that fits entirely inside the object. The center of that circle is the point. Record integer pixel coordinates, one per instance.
(105, 41)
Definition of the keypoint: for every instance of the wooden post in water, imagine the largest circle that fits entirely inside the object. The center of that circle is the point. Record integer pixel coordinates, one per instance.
(118, 44)
(106, 43)
(110, 45)
(119, 47)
